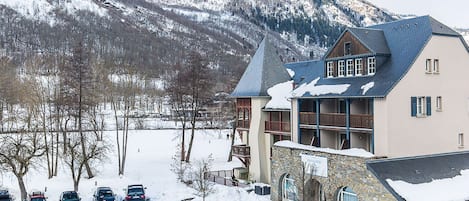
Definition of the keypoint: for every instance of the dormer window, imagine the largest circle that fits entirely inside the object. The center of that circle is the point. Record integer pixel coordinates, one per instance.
(358, 67)
(371, 65)
(330, 69)
(349, 67)
(347, 48)
(341, 68)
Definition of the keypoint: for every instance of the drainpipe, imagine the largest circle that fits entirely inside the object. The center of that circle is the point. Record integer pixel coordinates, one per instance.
(372, 107)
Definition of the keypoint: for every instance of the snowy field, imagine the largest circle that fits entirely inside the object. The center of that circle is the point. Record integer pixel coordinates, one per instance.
(149, 157)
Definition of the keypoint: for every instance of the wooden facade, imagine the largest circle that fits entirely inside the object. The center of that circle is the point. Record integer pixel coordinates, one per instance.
(357, 48)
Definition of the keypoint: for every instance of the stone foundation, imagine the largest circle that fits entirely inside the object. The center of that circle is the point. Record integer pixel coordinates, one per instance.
(342, 171)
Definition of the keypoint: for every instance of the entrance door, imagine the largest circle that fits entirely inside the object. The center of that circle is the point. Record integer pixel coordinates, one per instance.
(313, 191)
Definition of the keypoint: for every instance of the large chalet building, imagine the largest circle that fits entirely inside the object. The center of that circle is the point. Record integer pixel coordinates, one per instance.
(392, 90)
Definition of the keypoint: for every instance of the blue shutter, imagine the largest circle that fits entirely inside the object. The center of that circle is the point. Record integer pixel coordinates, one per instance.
(413, 106)
(429, 106)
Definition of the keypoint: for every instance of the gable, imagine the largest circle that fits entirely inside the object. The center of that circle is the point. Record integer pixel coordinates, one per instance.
(356, 47)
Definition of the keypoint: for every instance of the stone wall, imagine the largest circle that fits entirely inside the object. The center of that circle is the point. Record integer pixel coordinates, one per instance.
(342, 171)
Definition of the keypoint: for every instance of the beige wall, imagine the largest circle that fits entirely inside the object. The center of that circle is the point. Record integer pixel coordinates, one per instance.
(329, 139)
(397, 133)
(257, 142)
(360, 140)
(294, 120)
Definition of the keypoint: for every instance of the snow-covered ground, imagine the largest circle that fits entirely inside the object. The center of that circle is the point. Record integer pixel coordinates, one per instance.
(149, 157)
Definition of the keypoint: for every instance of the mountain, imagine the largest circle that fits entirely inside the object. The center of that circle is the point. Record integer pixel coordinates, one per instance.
(153, 35)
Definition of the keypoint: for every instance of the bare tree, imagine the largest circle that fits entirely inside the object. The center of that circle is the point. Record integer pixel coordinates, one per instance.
(201, 184)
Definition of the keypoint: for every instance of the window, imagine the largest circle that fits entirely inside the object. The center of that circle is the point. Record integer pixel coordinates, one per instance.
(350, 67)
(371, 65)
(461, 139)
(346, 194)
(289, 190)
(421, 106)
(428, 66)
(358, 67)
(436, 66)
(330, 69)
(347, 48)
(439, 107)
(341, 68)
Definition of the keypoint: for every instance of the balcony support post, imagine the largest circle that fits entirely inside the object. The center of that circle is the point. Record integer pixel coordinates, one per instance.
(299, 117)
(318, 130)
(347, 121)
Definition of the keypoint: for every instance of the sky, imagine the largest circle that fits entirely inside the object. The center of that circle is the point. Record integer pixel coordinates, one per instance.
(453, 13)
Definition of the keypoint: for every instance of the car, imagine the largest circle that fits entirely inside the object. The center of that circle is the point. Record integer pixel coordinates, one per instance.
(69, 196)
(104, 194)
(5, 195)
(136, 192)
(37, 196)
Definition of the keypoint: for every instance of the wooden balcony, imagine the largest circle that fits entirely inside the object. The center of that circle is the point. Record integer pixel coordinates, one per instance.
(244, 124)
(277, 126)
(337, 120)
(243, 153)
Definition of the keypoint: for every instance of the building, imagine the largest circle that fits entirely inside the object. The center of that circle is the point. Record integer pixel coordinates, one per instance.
(395, 90)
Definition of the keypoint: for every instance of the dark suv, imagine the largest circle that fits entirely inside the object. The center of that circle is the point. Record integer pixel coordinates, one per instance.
(103, 194)
(69, 196)
(5, 195)
(136, 193)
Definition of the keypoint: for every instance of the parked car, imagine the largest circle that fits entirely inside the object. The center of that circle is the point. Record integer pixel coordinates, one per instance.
(5, 195)
(69, 196)
(136, 192)
(37, 196)
(104, 194)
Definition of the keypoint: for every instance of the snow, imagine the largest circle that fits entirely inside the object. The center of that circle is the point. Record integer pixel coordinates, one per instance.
(367, 87)
(314, 165)
(280, 94)
(149, 157)
(44, 10)
(450, 189)
(320, 89)
(291, 72)
(346, 152)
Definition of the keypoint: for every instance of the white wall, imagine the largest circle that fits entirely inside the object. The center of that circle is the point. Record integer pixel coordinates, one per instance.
(257, 142)
(438, 133)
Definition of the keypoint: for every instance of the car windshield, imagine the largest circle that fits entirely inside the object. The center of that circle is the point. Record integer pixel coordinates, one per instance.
(70, 196)
(137, 191)
(106, 194)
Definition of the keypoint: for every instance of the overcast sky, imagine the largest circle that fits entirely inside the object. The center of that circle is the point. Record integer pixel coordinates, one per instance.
(454, 13)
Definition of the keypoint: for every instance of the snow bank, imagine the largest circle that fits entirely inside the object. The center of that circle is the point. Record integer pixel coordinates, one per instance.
(451, 189)
(280, 94)
(367, 87)
(320, 89)
(347, 152)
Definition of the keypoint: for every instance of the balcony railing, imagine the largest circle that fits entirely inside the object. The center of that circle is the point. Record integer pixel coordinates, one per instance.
(277, 126)
(243, 151)
(243, 123)
(337, 119)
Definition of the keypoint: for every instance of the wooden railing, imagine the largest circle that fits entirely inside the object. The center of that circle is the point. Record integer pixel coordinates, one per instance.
(242, 151)
(243, 123)
(277, 126)
(337, 119)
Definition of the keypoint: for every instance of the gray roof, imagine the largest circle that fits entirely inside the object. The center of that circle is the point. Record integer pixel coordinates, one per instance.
(264, 71)
(417, 170)
(405, 40)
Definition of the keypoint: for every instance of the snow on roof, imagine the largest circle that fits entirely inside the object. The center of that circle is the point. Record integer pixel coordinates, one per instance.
(346, 152)
(320, 89)
(280, 94)
(291, 72)
(450, 189)
(367, 87)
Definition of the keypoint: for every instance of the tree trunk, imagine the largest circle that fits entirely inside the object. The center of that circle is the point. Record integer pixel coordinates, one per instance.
(23, 191)
(191, 141)
(183, 140)
(233, 134)
(120, 170)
